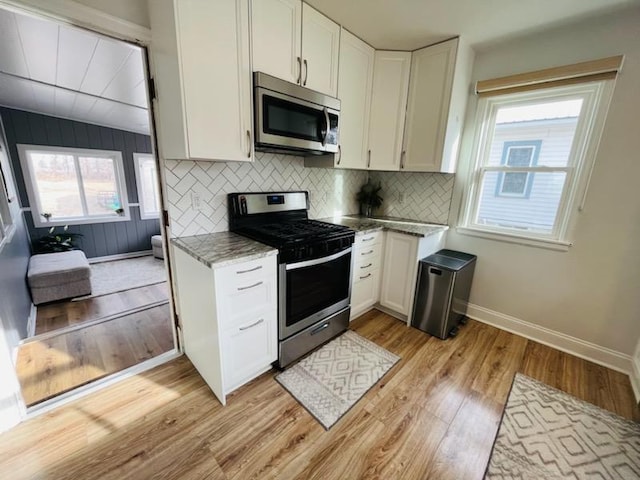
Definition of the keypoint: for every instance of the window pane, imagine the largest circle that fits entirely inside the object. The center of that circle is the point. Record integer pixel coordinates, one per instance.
(536, 212)
(514, 183)
(149, 201)
(551, 125)
(100, 185)
(57, 184)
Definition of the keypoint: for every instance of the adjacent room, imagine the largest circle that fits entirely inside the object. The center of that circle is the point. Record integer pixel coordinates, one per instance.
(77, 144)
(319, 239)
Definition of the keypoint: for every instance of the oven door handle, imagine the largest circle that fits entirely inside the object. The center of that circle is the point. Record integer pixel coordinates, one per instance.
(318, 261)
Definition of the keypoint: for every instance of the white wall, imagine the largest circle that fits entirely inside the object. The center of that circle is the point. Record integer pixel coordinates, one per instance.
(592, 291)
(134, 11)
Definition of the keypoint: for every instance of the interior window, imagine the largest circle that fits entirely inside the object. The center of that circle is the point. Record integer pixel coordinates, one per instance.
(71, 186)
(147, 180)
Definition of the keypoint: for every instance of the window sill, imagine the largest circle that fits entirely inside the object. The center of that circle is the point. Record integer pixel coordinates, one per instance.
(557, 245)
(82, 221)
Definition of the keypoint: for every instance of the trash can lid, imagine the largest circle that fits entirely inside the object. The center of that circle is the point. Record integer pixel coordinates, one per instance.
(449, 259)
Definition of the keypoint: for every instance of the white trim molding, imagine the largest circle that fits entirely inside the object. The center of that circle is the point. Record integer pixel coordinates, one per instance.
(120, 256)
(74, 13)
(635, 373)
(31, 323)
(560, 341)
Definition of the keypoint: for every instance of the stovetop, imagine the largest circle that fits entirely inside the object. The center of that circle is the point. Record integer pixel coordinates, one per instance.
(296, 232)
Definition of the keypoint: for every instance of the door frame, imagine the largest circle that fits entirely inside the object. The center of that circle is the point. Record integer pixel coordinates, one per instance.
(69, 12)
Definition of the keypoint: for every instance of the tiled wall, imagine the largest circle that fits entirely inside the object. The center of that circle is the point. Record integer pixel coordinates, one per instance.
(330, 191)
(417, 196)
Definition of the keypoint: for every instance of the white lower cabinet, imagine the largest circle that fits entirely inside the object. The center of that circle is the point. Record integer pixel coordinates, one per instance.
(367, 262)
(228, 318)
(402, 253)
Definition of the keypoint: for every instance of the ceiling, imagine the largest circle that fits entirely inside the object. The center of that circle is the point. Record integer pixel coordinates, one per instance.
(411, 24)
(70, 73)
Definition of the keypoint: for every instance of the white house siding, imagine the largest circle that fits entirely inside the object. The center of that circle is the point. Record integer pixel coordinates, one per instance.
(537, 210)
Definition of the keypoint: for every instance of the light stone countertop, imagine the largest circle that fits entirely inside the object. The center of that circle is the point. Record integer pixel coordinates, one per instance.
(369, 224)
(220, 249)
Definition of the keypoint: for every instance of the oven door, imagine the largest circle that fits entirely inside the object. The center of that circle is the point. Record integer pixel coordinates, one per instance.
(291, 123)
(312, 290)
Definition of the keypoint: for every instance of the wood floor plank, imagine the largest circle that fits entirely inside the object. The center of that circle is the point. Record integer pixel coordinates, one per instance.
(60, 363)
(503, 360)
(435, 417)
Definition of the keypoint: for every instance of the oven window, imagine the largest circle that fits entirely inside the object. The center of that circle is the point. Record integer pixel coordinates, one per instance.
(314, 288)
(289, 119)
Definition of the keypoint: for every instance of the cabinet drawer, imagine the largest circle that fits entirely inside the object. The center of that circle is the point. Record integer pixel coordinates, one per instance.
(364, 292)
(365, 240)
(364, 266)
(249, 349)
(368, 252)
(235, 305)
(244, 276)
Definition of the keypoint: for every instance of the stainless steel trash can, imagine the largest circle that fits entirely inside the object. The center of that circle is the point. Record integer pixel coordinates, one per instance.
(442, 292)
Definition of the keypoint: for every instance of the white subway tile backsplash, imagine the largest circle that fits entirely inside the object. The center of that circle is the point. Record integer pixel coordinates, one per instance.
(331, 191)
(418, 196)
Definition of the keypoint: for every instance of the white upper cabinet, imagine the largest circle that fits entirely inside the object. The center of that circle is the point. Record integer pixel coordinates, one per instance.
(320, 48)
(296, 43)
(354, 92)
(388, 108)
(438, 91)
(276, 28)
(201, 57)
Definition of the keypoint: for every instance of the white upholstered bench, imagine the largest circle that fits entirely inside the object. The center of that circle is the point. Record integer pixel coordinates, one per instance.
(156, 246)
(60, 275)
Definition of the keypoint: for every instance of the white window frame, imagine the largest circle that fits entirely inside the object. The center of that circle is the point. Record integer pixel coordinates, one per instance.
(136, 161)
(35, 207)
(596, 98)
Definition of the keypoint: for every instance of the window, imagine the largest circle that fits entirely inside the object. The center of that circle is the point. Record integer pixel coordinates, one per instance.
(147, 180)
(518, 154)
(6, 218)
(533, 156)
(73, 186)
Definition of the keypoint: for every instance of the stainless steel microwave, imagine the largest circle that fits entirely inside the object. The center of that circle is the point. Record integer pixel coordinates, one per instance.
(293, 119)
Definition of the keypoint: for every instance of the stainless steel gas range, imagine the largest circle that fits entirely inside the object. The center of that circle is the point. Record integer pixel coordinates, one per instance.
(314, 288)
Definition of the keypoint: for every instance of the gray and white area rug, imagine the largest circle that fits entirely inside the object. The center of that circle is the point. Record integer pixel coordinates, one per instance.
(548, 434)
(332, 379)
(120, 275)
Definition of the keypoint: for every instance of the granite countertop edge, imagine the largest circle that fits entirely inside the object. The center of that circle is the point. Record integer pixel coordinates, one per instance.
(363, 225)
(221, 249)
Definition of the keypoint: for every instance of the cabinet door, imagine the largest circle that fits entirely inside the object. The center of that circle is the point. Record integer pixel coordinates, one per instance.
(364, 292)
(388, 108)
(430, 85)
(249, 349)
(320, 49)
(398, 273)
(216, 78)
(276, 27)
(354, 91)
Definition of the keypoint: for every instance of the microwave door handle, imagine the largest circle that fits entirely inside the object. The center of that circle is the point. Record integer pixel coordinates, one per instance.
(326, 131)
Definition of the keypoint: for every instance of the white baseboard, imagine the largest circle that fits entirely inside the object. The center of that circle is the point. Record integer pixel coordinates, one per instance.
(120, 256)
(560, 341)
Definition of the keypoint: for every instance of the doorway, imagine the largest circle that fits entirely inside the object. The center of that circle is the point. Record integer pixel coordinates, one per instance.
(79, 138)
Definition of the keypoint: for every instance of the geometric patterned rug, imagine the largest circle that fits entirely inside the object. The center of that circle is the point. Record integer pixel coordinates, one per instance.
(332, 379)
(548, 434)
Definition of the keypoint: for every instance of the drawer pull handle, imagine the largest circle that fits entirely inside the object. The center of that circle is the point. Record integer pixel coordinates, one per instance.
(368, 239)
(366, 276)
(320, 328)
(250, 270)
(366, 266)
(367, 253)
(252, 325)
(250, 286)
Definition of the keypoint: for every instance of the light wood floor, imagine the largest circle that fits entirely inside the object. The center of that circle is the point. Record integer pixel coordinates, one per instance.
(433, 416)
(62, 362)
(54, 316)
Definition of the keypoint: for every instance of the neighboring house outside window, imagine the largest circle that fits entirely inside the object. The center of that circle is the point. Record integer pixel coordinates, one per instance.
(74, 186)
(531, 164)
(518, 154)
(147, 181)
